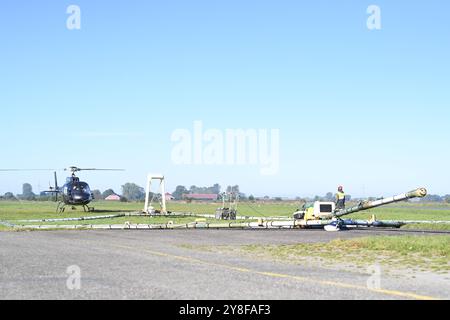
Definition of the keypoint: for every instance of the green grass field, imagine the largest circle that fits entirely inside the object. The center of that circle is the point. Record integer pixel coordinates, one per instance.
(24, 210)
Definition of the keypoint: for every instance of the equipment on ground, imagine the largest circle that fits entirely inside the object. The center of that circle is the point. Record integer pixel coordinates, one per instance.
(228, 211)
(162, 193)
(325, 215)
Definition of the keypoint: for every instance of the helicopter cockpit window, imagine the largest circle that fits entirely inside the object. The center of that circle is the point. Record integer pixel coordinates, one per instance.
(81, 187)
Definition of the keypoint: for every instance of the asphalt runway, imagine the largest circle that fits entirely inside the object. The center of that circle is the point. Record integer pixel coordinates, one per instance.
(159, 265)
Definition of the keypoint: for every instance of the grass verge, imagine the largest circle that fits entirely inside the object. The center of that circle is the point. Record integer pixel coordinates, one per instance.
(417, 253)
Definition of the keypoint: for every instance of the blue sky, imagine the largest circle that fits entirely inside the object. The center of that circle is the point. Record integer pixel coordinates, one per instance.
(368, 109)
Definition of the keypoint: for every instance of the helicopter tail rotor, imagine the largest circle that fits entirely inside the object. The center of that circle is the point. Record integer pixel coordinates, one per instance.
(56, 187)
(54, 190)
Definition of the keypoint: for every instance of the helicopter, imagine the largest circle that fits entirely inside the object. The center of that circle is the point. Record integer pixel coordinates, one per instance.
(74, 192)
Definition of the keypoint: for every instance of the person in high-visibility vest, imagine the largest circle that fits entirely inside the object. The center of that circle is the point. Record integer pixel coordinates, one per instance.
(340, 198)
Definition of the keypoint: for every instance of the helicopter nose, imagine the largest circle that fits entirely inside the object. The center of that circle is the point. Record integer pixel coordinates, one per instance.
(78, 196)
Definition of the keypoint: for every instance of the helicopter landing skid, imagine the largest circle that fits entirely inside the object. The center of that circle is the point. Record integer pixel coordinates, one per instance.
(88, 209)
(61, 208)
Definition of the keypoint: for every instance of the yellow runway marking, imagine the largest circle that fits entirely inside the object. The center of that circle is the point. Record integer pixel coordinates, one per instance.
(395, 293)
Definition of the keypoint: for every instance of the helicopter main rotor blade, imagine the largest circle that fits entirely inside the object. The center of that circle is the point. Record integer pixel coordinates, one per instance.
(102, 169)
(74, 169)
(10, 170)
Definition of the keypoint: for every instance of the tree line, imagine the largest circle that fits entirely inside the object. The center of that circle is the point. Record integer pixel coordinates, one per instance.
(181, 191)
(133, 192)
(129, 192)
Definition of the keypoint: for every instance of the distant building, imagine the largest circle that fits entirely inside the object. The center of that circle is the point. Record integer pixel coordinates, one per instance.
(113, 197)
(169, 197)
(201, 197)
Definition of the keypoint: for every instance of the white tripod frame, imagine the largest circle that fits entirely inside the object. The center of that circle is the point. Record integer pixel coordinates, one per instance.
(162, 188)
